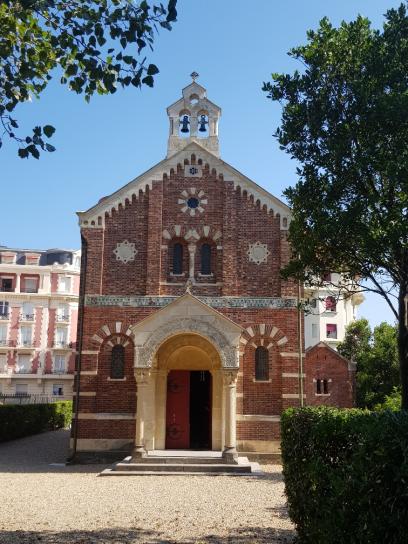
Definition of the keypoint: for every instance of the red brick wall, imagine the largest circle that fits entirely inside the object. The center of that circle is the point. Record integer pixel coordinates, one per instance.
(240, 221)
(324, 363)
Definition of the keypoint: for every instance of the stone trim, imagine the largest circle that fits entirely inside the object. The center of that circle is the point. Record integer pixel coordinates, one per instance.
(256, 417)
(292, 375)
(85, 393)
(213, 302)
(105, 416)
(292, 396)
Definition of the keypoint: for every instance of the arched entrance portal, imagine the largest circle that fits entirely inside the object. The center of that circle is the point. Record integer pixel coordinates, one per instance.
(188, 394)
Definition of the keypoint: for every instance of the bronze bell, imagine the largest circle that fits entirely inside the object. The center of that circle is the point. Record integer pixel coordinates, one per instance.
(203, 122)
(184, 124)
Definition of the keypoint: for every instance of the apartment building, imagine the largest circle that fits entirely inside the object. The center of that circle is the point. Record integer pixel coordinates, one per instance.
(38, 321)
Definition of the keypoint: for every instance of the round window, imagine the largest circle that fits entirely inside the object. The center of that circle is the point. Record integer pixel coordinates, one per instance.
(192, 202)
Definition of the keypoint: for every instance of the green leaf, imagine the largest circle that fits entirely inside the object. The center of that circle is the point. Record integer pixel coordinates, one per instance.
(48, 130)
(152, 70)
(148, 80)
(23, 153)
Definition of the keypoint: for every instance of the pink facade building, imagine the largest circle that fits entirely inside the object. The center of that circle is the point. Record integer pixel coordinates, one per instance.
(38, 321)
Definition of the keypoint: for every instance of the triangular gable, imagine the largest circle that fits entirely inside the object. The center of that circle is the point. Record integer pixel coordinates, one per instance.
(189, 307)
(323, 345)
(94, 216)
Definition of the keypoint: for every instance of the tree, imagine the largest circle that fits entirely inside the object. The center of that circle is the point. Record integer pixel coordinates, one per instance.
(93, 46)
(376, 356)
(345, 120)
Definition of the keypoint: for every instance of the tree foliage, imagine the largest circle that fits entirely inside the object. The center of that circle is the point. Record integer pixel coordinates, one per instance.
(376, 355)
(345, 121)
(96, 45)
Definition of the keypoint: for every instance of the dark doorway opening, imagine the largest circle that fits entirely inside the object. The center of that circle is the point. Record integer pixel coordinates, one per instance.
(200, 409)
(188, 410)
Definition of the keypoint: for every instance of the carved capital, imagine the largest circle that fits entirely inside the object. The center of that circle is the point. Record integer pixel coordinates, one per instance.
(230, 377)
(142, 375)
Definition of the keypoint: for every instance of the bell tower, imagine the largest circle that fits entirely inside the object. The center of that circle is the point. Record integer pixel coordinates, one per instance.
(193, 118)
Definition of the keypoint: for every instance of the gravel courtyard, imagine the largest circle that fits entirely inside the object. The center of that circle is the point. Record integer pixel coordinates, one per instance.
(48, 504)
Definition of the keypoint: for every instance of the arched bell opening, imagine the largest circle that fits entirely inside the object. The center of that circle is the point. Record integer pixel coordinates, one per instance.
(203, 124)
(184, 124)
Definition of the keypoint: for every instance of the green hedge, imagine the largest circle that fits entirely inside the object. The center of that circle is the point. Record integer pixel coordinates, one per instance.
(18, 420)
(346, 475)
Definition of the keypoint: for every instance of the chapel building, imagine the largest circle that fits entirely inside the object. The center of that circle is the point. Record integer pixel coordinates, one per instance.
(188, 336)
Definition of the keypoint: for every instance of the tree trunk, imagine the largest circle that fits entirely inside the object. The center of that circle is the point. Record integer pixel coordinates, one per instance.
(403, 342)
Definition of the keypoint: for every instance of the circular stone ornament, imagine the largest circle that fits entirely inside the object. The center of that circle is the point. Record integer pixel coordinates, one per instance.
(258, 253)
(192, 201)
(125, 251)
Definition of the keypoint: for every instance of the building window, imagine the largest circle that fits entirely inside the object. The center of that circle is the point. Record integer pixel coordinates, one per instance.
(331, 330)
(27, 311)
(23, 364)
(4, 309)
(206, 259)
(3, 335)
(61, 336)
(117, 362)
(63, 312)
(59, 364)
(30, 285)
(22, 389)
(57, 390)
(26, 335)
(261, 364)
(6, 284)
(64, 284)
(330, 304)
(313, 303)
(322, 387)
(315, 330)
(3, 363)
(178, 258)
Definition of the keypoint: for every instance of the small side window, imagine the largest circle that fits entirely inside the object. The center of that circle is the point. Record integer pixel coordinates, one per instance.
(117, 362)
(261, 364)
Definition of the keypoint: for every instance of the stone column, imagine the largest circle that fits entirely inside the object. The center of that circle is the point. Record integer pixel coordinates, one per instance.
(17, 289)
(142, 379)
(191, 250)
(230, 395)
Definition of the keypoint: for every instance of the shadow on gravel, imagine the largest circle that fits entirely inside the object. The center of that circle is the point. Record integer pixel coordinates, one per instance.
(45, 452)
(252, 535)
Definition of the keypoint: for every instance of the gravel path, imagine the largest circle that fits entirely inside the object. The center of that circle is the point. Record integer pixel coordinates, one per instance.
(58, 505)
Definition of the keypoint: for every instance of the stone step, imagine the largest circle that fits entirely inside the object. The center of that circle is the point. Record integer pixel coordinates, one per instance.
(156, 460)
(187, 472)
(177, 467)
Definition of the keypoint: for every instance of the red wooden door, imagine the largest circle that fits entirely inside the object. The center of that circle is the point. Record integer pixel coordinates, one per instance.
(178, 410)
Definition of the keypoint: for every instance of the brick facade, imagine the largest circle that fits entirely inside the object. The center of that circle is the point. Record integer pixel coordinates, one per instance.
(246, 229)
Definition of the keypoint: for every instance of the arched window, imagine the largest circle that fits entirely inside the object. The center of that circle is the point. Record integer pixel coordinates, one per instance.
(206, 259)
(178, 258)
(117, 362)
(261, 364)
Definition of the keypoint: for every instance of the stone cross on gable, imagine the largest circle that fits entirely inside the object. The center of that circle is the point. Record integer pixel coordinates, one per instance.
(194, 76)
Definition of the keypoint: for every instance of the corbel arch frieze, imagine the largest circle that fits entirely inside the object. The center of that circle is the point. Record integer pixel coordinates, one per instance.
(145, 353)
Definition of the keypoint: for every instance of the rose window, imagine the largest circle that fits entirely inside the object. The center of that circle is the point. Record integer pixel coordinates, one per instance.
(192, 201)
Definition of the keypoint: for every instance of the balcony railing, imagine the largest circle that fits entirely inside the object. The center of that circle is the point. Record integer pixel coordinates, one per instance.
(26, 317)
(26, 343)
(29, 290)
(3, 342)
(22, 370)
(332, 335)
(62, 344)
(4, 317)
(57, 371)
(63, 318)
(6, 289)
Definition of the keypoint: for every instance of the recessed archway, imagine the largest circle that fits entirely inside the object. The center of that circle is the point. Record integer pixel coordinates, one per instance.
(182, 358)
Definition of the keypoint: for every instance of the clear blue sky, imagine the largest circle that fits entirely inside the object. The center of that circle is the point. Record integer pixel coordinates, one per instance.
(234, 45)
